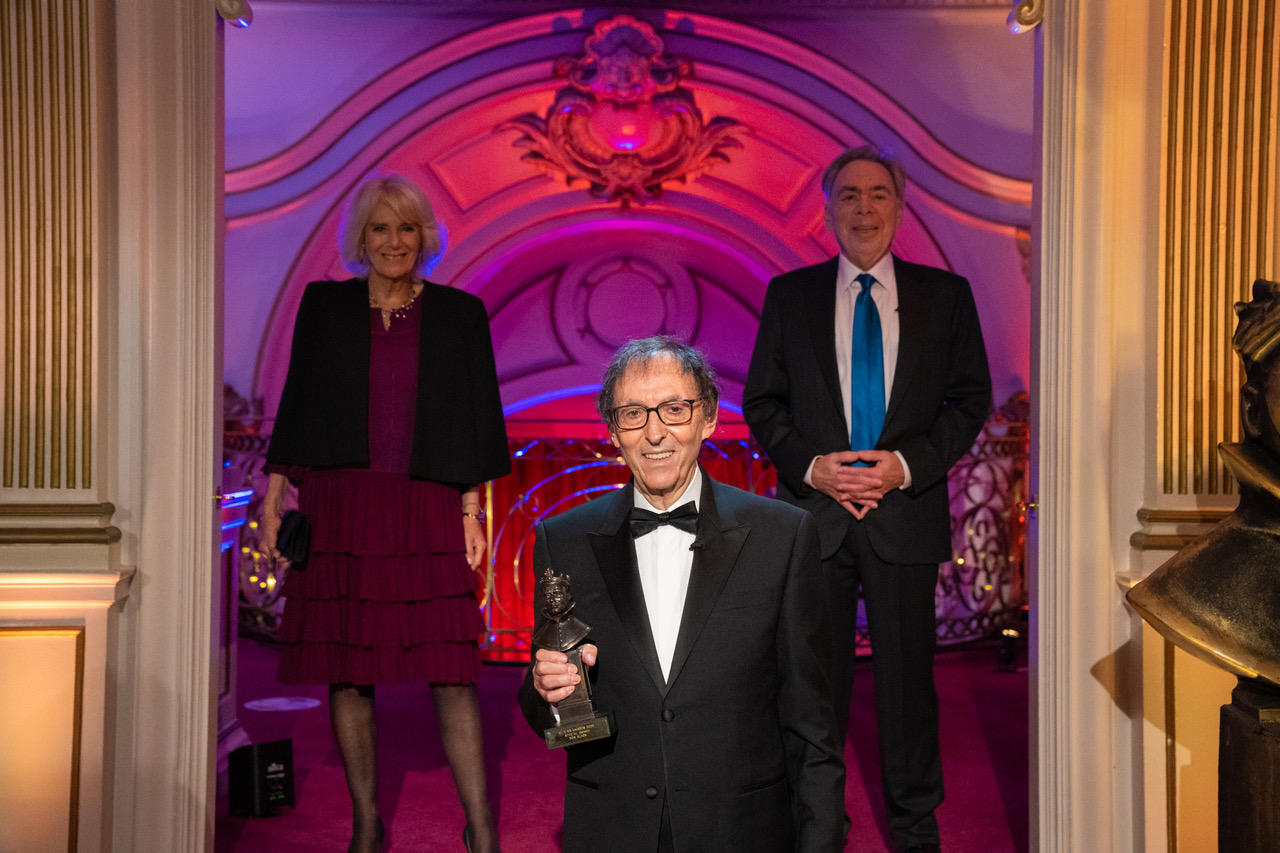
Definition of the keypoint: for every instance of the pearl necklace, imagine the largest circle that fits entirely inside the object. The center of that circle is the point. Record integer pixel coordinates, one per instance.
(399, 312)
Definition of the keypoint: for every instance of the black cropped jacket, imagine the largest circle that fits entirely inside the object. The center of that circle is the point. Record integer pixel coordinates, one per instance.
(459, 435)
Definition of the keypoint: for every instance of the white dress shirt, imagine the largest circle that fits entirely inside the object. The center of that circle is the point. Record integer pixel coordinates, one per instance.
(665, 563)
(885, 294)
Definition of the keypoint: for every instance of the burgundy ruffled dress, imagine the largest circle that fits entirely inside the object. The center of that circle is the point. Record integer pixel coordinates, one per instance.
(387, 595)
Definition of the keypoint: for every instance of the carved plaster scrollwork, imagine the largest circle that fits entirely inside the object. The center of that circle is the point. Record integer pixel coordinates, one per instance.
(624, 124)
(1026, 15)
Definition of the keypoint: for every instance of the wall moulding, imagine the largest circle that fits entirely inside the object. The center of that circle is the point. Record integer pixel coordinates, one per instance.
(49, 660)
(54, 636)
(1161, 541)
(103, 510)
(27, 594)
(51, 524)
(59, 535)
(1173, 529)
(1181, 516)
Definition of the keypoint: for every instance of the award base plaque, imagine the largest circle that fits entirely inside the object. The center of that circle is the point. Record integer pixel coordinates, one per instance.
(579, 721)
(567, 734)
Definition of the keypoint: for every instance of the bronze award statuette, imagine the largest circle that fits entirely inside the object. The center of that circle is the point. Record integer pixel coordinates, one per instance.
(561, 631)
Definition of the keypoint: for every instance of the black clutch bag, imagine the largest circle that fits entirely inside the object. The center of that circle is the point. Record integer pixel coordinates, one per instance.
(294, 539)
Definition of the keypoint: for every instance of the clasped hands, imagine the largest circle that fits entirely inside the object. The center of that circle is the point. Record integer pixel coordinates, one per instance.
(856, 488)
(554, 677)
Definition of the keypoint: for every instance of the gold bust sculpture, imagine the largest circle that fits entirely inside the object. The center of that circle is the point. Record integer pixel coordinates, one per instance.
(1219, 597)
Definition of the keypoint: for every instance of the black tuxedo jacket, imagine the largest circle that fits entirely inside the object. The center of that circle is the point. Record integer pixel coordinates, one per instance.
(940, 398)
(459, 435)
(740, 740)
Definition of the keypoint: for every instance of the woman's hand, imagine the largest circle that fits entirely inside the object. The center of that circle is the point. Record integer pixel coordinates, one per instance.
(473, 531)
(268, 532)
(269, 524)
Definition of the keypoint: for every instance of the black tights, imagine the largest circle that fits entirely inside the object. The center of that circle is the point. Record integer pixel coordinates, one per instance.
(351, 714)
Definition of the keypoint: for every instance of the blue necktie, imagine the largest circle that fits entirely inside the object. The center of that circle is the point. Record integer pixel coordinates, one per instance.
(866, 377)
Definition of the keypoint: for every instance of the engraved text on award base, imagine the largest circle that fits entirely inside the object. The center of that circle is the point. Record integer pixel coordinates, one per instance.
(579, 721)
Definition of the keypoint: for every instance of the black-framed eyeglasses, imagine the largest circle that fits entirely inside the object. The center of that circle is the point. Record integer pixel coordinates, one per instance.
(671, 413)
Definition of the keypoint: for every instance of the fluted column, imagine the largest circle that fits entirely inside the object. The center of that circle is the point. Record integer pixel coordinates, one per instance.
(49, 131)
(1219, 223)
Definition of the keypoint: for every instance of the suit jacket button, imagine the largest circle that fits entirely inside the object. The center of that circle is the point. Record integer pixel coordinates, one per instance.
(651, 792)
(668, 714)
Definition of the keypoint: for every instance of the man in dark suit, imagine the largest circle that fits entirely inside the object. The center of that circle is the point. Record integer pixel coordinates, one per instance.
(868, 381)
(712, 641)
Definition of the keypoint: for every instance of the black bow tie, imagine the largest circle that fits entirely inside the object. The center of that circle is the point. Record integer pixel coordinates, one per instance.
(684, 517)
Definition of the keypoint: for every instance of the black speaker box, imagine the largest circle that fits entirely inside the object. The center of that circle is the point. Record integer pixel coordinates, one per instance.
(261, 777)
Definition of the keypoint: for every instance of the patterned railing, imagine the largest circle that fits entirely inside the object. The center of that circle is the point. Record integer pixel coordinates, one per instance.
(983, 589)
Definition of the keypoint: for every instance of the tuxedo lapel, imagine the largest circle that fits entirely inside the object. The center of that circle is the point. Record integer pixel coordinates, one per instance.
(715, 553)
(616, 560)
(821, 308)
(912, 304)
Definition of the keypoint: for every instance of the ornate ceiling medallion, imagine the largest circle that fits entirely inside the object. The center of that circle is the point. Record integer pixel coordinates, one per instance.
(624, 124)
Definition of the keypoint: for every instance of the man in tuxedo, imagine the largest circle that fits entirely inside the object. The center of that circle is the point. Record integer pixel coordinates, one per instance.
(868, 381)
(708, 641)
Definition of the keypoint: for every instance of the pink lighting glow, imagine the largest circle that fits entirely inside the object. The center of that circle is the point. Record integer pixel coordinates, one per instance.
(531, 245)
(623, 127)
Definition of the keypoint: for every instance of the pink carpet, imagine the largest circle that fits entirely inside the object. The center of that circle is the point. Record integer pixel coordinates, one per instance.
(984, 752)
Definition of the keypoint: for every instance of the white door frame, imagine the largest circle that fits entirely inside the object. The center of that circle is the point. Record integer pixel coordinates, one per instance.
(164, 115)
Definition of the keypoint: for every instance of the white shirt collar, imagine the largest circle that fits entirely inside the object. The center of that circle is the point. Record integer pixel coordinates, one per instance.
(691, 492)
(881, 271)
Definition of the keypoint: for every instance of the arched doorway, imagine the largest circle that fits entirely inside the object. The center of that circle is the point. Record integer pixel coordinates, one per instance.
(566, 276)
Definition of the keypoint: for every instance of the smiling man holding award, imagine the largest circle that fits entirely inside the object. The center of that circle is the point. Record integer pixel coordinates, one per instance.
(707, 641)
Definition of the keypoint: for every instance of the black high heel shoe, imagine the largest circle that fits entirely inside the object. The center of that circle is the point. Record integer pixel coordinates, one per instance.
(466, 838)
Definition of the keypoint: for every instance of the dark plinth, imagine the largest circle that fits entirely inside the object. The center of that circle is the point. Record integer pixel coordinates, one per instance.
(262, 777)
(1249, 770)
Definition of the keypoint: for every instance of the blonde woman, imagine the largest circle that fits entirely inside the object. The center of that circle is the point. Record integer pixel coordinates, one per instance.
(389, 419)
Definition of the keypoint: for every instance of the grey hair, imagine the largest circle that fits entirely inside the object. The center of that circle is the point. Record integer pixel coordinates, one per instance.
(872, 155)
(643, 350)
(409, 203)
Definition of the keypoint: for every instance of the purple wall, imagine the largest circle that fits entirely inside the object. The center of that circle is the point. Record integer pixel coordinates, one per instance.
(310, 110)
